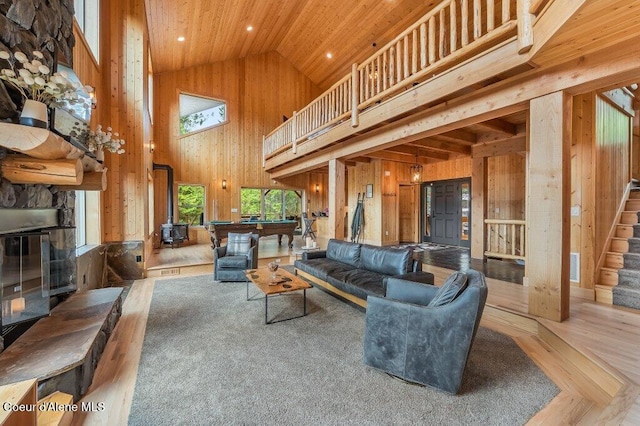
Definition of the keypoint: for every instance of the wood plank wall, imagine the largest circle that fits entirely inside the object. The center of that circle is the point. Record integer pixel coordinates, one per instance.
(125, 65)
(317, 201)
(583, 189)
(259, 91)
(357, 179)
(381, 211)
(612, 147)
(120, 79)
(601, 146)
(506, 187)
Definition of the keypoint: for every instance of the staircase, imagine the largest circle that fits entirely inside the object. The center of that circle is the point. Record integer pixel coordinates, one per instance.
(619, 280)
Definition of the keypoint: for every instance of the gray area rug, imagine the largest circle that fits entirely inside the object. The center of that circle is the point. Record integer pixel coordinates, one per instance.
(208, 358)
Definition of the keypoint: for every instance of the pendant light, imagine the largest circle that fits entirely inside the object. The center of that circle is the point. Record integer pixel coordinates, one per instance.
(416, 172)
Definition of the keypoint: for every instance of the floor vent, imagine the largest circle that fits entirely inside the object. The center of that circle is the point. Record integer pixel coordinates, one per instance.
(172, 271)
(574, 267)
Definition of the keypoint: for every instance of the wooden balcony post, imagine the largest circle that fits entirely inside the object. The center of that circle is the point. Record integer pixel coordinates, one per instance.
(548, 202)
(355, 89)
(525, 26)
(294, 131)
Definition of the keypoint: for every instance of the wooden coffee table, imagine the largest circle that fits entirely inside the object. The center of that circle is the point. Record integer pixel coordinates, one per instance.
(261, 278)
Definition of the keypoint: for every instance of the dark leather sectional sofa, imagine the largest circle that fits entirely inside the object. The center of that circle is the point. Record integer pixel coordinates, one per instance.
(354, 271)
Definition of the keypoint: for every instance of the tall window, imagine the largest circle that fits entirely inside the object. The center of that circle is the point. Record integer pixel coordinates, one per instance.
(88, 18)
(191, 202)
(81, 218)
(270, 204)
(199, 113)
(150, 86)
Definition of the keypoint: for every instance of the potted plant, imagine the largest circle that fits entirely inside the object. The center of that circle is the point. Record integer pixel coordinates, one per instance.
(39, 87)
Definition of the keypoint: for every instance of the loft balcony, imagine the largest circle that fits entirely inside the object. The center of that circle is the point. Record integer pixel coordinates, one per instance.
(458, 51)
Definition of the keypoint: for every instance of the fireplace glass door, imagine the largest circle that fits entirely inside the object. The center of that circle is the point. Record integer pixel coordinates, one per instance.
(24, 270)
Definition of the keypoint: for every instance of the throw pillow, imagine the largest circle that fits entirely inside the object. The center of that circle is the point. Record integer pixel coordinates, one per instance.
(452, 287)
(238, 244)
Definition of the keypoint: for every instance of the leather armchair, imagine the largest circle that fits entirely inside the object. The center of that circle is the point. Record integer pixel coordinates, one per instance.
(232, 268)
(429, 345)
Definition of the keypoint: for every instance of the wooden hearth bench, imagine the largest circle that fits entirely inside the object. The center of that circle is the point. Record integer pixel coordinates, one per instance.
(62, 350)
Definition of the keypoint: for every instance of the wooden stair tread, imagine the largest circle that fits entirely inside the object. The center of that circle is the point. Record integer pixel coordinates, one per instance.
(629, 217)
(54, 409)
(66, 336)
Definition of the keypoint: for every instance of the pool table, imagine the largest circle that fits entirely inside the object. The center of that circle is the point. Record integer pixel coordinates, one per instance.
(220, 230)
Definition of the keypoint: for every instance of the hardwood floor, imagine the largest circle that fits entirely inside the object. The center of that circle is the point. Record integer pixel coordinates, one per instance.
(592, 357)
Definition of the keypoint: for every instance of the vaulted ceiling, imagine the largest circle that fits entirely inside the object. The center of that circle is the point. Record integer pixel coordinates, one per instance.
(303, 31)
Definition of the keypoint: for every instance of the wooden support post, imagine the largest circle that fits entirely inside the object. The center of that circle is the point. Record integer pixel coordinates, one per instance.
(548, 199)
(336, 199)
(19, 169)
(355, 89)
(525, 26)
(478, 206)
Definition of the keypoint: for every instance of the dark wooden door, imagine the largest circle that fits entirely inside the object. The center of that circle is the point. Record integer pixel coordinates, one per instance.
(445, 213)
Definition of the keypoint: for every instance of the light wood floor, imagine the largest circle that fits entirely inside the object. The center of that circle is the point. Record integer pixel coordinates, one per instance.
(594, 357)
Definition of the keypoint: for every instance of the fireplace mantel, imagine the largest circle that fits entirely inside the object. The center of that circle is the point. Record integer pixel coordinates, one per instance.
(49, 159)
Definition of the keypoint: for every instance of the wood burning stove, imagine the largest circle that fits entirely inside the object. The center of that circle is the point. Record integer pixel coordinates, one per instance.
(174, 233)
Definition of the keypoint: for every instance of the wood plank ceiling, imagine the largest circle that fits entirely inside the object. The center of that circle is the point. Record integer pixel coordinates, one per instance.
(303, 31)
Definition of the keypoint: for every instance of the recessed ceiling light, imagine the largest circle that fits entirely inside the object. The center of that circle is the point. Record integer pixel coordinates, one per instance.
(329, 55)
(181, 38)
(249, 28)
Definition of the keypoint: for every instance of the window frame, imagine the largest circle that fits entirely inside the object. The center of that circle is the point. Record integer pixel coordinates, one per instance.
(263, 193)
(88, 21)
(203, 129)
(81, 218)
(204, 203)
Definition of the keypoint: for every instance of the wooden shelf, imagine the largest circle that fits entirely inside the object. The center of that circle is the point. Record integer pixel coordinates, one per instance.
(41, 144)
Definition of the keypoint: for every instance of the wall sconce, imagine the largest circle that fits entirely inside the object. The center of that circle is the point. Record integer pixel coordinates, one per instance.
(224, 184)
(317, 188)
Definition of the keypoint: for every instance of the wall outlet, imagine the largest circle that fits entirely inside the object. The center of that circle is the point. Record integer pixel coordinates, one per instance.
(234, 210)
(386, 233)
(497, 210)
(575, 211)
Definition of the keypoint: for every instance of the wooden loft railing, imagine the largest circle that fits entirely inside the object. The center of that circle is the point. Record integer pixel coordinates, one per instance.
(452, 32)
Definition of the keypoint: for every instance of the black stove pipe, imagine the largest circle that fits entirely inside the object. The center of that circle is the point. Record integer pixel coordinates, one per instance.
(169, 170)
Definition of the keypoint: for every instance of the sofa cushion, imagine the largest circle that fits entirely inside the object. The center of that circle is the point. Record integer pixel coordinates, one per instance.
(344, 251)
(362, 283)
(238, 244)
(385, 260)
(358, 282)
(235, 262)
(452, 287)
(320, 268)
